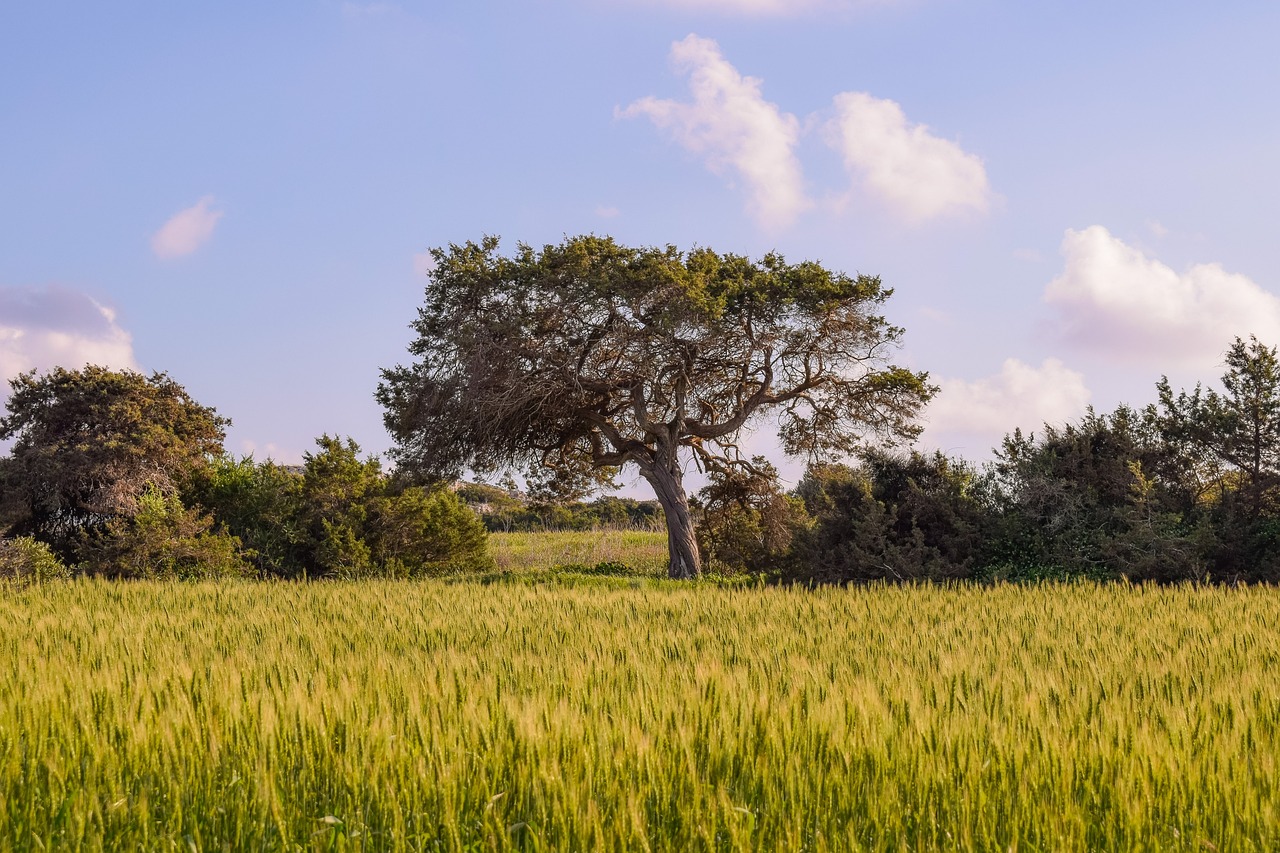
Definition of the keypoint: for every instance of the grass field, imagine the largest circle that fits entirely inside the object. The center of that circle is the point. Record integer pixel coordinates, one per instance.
(615, 715)
(644, 552)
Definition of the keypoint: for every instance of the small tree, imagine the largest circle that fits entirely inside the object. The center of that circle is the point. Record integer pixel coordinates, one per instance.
(88, 443)
(1230, 442)
(585, 357)
(1238, 429)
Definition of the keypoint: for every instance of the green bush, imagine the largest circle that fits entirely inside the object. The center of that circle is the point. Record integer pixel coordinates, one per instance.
(25, 559)
(419, 533)
(163, 540)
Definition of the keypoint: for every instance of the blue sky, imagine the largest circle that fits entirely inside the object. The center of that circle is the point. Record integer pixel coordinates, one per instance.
(1070, 199)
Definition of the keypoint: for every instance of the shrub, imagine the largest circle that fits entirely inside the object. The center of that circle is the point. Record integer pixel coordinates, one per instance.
(25, 559)
(163, 540)
(419, 532)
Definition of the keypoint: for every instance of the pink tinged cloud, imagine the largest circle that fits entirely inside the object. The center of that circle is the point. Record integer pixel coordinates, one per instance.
(977, 414)
(764, 8)
(186, 231)
(1115, 301)
(918, 175)
(735, 130)
(47, 327)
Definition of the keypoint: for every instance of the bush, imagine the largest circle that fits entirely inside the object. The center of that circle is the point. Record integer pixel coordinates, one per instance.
(894, 518)
(163, 540)
(417, 533)
(25, 559)
(745, 522)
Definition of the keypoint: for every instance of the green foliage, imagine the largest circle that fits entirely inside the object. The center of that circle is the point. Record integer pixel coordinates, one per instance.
(88, 443)
(893, 518)
(162, 539)
(1230, 443)
(1095, 498)
(261, 505)
(745, 522)
(360, 523)
(26, 560)
(418, 533)
(575, 360)
(503, 510)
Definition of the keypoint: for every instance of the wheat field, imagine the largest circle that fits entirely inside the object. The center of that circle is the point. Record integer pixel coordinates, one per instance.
(637, 716)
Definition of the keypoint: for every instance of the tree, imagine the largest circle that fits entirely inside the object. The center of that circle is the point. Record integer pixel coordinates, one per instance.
(894, 517)
(576, 360)
(260, 503)
(1239, 429)
(1106, 497)
(745, 521)
(362, 523)
(162, 539)
(88, 443)
(1230, 442)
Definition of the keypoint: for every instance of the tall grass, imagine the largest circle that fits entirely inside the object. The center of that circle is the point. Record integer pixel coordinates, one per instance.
(454, 716)
(644, 552)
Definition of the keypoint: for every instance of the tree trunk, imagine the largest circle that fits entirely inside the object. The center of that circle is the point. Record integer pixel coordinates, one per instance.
(682, 547)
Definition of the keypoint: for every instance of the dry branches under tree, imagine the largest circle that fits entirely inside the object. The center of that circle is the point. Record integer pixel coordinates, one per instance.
(572, 362)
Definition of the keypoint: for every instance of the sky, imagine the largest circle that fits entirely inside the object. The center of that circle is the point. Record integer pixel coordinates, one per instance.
(1069, 199)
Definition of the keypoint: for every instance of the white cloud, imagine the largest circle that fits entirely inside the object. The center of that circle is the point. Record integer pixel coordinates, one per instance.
(1115, 301)
(607, 212)
(52, 326)
(919, 175)
(187, 230)
(734, 128)
(976, 415)
(762, 8)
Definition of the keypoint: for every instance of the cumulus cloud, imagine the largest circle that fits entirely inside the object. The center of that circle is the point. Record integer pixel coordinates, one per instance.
(187, 230)
(54, 326)
(734, 128)
(918, 175)
(1114, 300)
(977, 414)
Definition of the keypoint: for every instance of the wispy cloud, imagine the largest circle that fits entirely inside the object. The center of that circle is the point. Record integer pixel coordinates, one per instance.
(734, 128)
(53, 326)
(607, 212)
(187, 230)
(920, 176)
(975, 415)
(1113, 300)
(768, 8)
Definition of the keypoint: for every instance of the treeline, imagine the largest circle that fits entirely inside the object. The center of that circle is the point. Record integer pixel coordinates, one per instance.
(121, 475)
(1185, 488)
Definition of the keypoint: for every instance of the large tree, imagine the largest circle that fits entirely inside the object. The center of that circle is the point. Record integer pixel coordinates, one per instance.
(581, 358)
(87, 444)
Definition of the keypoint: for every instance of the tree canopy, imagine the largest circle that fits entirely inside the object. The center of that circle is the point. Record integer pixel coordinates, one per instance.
(89, 443)
(575, 360)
